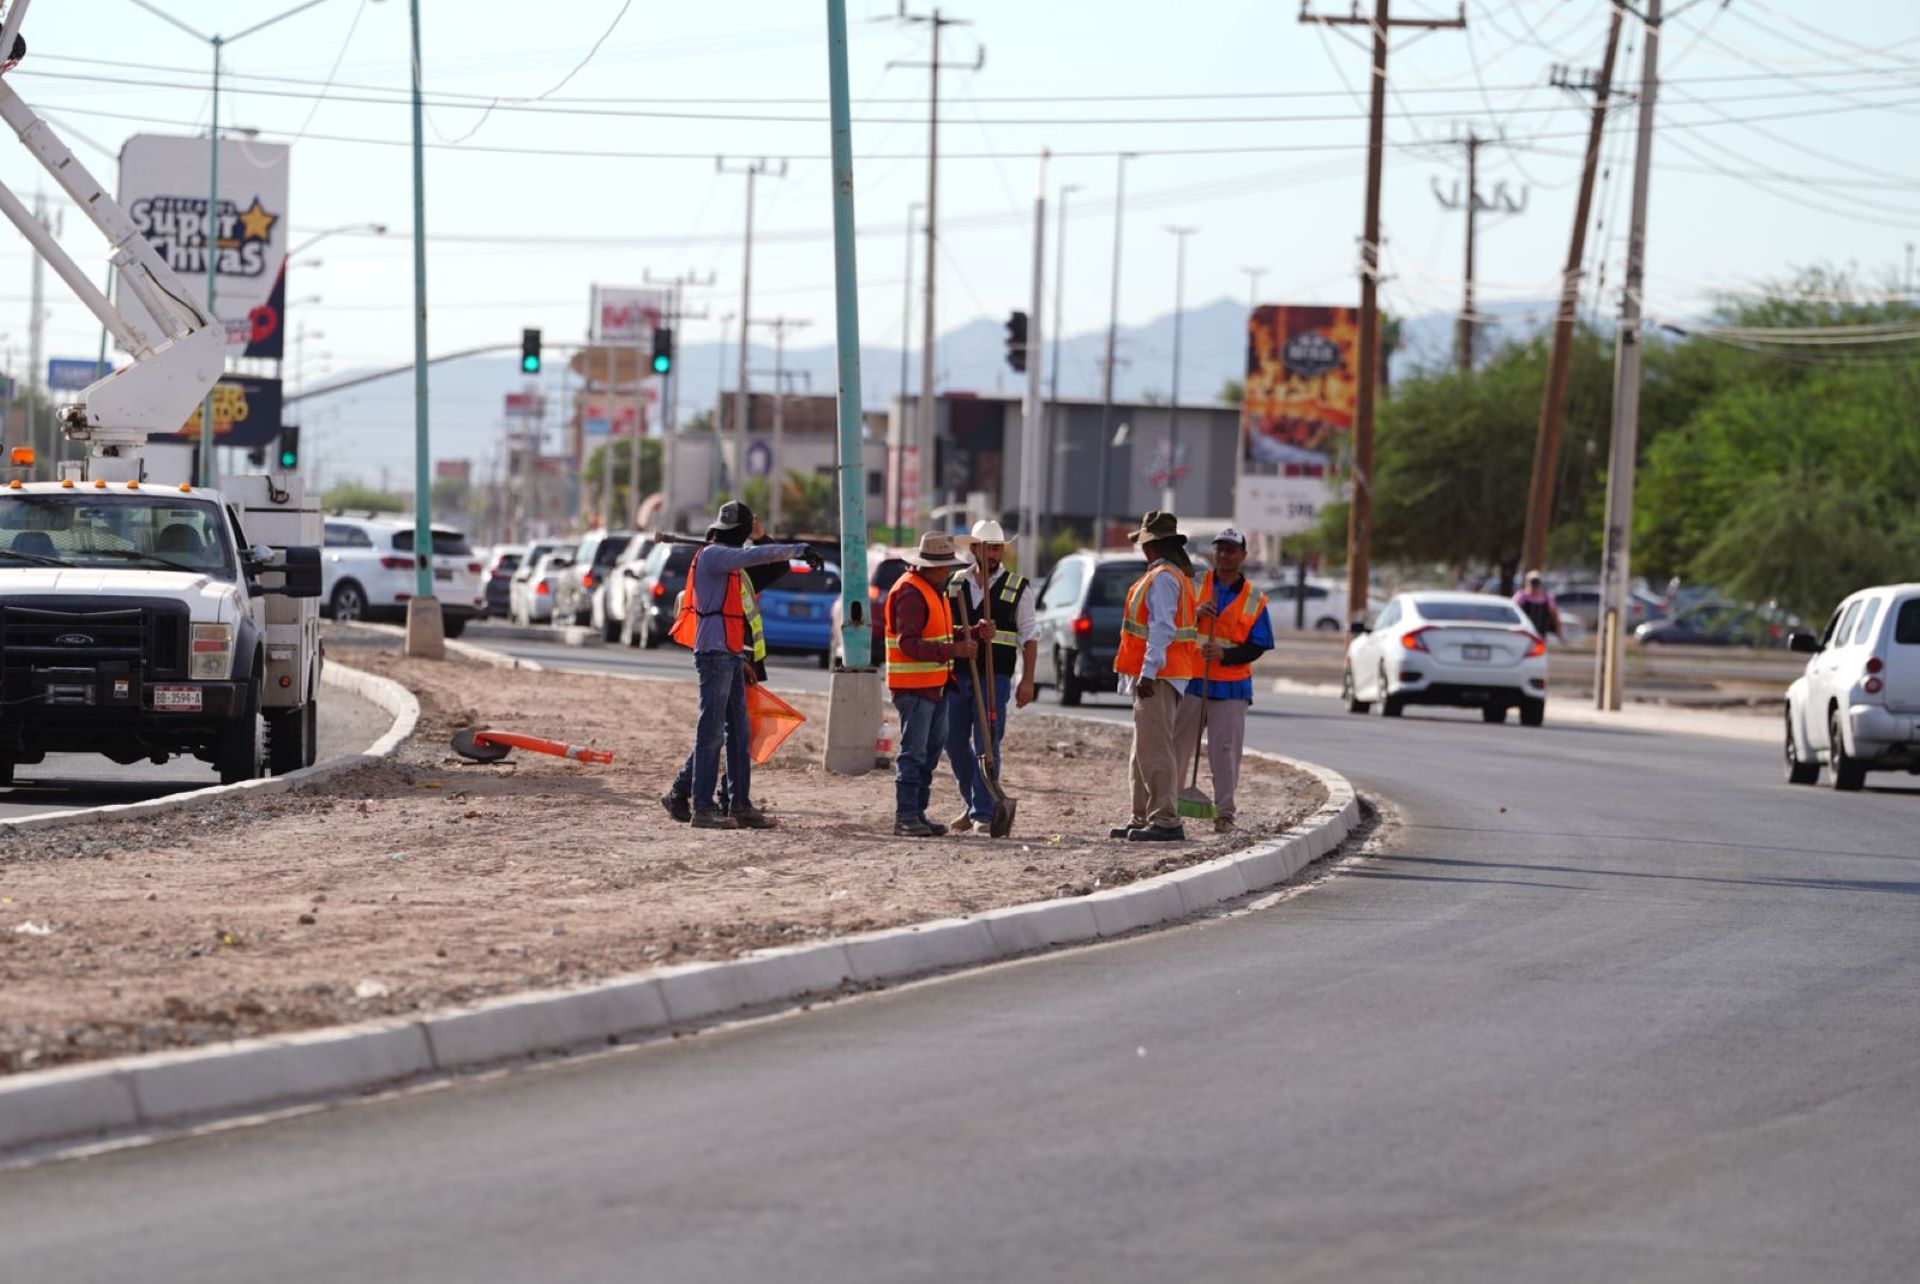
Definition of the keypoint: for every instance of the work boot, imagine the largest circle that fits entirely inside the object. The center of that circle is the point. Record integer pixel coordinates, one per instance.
(912, 827)
(939, 830)
(678, 806)
(1123, 831)
(1153, 834)
(713, 820)
(754, 818)
(962, 824)
(1223, 825)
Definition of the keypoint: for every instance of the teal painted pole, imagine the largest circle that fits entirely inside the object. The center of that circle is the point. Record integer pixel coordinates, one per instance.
(209, 471)
(856, 643)
(422, 481)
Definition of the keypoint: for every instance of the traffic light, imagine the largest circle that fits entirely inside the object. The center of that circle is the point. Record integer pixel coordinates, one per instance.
(662, 350)
(529, 352)
(290, 448)
(1017, 340)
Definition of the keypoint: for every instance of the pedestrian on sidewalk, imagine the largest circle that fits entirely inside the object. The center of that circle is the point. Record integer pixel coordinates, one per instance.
(1158, 648)
(987, 590)
(1235, 614)
(719, 620)
(1539, 607)
(921, 648)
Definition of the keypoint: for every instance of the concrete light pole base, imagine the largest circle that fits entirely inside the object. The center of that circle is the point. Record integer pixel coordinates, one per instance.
(853, 720)
(426, 635)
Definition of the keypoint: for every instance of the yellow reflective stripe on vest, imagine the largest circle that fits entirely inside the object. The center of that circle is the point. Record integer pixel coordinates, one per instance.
(1138, 630)
(756, 631)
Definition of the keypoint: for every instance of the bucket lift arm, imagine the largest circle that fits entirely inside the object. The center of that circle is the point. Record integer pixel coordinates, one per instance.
(172, 371)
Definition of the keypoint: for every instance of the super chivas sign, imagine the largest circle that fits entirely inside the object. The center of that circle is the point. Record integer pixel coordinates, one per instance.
(177, 226)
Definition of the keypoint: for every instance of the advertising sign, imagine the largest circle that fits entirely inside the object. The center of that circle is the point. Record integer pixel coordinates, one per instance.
(1302, 383)
(71, 374)
(1276, 505)
(526, 405)
(246, 412)
(163, 185)
(622, 315)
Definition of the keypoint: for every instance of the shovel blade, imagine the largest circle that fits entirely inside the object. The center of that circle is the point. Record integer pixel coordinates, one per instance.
(1002, 823)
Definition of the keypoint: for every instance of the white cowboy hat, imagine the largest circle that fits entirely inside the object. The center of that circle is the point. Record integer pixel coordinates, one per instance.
(984, 532)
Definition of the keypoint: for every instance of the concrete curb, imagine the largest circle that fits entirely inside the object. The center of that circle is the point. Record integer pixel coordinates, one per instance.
(173, 1088)
(466, 650)
(382, 693)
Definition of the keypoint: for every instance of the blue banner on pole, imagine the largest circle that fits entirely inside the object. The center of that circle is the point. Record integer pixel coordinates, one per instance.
(69, 374)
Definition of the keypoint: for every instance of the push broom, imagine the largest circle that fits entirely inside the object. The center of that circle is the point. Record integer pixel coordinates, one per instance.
(1194, 802)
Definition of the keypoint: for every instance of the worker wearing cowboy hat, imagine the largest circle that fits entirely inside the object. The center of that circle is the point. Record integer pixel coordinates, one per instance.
(714, 623)
(922, 645)
(1159, 649)
(987, 590)
(1235, 631)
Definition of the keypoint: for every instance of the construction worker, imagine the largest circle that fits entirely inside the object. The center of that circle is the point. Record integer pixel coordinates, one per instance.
(921, 648)
(713, 622)
(1234, 632)
(1158, 649)
(987, 590)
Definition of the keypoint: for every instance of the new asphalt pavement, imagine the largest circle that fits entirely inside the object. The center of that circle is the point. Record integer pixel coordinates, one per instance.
(1594, 1005)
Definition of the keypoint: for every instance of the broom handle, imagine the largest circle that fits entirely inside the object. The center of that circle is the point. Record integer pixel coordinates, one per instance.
(979, 700)
(1206, 680)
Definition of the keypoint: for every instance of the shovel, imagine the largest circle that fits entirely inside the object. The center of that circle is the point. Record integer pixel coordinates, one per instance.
(988, 759)
(1194, 802)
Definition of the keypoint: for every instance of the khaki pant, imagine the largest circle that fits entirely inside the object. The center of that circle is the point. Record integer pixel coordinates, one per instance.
(1153, 762)
(1226, 725)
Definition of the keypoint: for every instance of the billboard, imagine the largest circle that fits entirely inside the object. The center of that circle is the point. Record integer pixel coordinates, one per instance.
(163, 187)
(71, 374)
(1297, 407)
(627, 316)
(246, 412)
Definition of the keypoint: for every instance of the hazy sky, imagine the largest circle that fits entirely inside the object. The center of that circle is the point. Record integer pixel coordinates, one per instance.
(1787, 137)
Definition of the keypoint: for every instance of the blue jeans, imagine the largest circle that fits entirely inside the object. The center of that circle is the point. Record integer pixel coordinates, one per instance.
(723, 719)
(964, 744)
(923, 730)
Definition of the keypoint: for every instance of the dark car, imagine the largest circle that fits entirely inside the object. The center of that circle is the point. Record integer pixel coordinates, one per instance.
(1718, 624)
(796, 610)
(499, 588)
(593, 558)
(1078, 615)
(656, 594)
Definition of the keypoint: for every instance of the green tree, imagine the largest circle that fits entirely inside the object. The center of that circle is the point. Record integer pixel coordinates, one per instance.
(809, 503)
(700, 423)
(625, 504)
(353, 497)
(1231, 392)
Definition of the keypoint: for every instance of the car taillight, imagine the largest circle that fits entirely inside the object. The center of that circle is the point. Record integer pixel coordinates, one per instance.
(1082, 627)
(541, 589)
(1413, 641)
(1874, 665)
(873, 592)
(1871, 686)
(659, 589)
(586, 580)
(473, 568)
(1535, 645)
(397, 563)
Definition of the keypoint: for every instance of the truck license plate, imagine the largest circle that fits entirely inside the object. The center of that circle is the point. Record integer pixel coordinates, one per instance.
(1476, 651)
(181, 698)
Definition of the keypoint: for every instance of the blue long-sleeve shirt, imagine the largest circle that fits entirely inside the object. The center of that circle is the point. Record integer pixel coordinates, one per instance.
(710, 570)
(1261, 635)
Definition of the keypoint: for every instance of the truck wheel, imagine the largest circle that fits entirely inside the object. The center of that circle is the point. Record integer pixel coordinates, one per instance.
(453, 626)
(237, 752)
(1843, 772)
(609, 628)
(1066, 678)
(287, 735)
(6, 768)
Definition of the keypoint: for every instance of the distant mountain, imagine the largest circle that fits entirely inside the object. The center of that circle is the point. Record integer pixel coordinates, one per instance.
(366, 432)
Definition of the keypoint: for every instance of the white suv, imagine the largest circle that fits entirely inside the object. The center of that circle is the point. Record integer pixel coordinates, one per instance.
(1857, 707)
(369, 573)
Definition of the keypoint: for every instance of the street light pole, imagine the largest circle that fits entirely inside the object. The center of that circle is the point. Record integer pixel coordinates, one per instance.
(1180, 235)
(424, 631)
(1113, 327)
(1053, 376)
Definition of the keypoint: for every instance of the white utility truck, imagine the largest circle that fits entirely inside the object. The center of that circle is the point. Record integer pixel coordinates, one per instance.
(143, 617)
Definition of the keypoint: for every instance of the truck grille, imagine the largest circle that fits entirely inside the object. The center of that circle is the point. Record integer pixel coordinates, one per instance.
(146, 637)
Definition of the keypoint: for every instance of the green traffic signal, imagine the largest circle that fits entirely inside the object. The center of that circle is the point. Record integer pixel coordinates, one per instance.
(289, 461)
(662, 363)
(530, 363)
(529, 352)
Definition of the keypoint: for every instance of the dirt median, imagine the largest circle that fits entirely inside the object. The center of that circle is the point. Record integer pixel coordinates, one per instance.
(429, 881)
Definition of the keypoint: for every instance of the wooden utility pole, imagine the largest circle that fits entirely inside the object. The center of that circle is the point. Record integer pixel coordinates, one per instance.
(1360, 508)
(1474, 204)
(1553, 403)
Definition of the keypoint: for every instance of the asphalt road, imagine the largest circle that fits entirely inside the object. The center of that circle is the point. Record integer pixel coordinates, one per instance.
(1604, 1005)
(348, 724)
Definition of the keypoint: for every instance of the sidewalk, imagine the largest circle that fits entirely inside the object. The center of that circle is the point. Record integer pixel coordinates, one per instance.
(1747, 728)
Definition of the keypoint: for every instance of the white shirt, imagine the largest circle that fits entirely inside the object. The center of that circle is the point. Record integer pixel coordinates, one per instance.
(1163, 603)
(1027, 624)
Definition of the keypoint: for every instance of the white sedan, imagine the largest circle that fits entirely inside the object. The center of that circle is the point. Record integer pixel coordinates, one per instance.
(1463, 649)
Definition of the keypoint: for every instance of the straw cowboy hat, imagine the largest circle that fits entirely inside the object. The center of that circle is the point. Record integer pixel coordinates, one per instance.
(1157, 526)
(936, 550)
(984, 532)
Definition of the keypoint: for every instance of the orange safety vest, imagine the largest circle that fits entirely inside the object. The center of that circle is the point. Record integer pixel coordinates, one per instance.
(1232, 625)
(686, 624)
(904, 674)
(1183, 653)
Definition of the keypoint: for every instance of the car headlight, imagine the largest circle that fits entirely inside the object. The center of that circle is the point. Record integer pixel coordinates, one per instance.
(212, 651)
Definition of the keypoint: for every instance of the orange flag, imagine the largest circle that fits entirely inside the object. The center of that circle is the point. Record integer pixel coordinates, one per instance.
(770, 720)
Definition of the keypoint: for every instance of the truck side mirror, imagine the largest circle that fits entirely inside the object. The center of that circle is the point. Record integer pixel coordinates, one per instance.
(300, 568)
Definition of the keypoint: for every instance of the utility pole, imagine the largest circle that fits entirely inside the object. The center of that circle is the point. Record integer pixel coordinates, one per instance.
(926, 450)
(1616, 558)
(1104, 447)
(1553, 403)
(1180, 235)
(37, 346)
(1473, 203)
(670, 418)
(1360, 507)
(902, 429)
(1030, 408)
(1053, 377)
(779, 326)
(753, 170)
(1253, 287)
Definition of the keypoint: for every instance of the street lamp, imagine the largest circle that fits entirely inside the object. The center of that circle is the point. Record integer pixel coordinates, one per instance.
(1180, 235)
(217, 42)
(377, 229)
(1053, 378)
(1113, 331)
